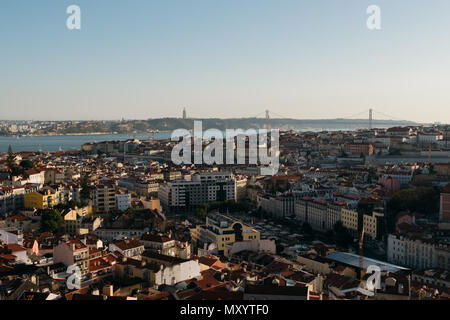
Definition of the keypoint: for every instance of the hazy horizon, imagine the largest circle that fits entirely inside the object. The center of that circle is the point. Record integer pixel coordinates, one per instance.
(303, 59)
(218, 118)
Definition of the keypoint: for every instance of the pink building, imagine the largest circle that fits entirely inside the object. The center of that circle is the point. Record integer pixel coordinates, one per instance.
(390, 184)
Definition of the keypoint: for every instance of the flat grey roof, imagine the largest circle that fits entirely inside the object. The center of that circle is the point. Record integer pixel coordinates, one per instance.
(353, 260)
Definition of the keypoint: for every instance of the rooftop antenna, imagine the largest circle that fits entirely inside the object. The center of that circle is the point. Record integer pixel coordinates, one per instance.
(361, 243)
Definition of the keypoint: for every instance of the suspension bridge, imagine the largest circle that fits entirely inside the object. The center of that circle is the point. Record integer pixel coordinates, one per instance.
(369, 114)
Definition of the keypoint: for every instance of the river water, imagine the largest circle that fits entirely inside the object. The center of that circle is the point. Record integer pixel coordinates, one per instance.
(65, 143)
(74, 142)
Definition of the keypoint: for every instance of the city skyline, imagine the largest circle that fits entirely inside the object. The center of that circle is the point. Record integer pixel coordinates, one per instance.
(148, 59)
(260, 154)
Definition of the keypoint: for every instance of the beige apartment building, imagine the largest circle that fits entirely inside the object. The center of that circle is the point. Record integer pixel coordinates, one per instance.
(74, 217)
(349, 220)
(72, 252)
(371, 224)
(104, 198)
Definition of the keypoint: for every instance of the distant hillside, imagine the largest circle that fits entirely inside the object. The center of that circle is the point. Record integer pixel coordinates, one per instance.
(169, 124)
(284, 124)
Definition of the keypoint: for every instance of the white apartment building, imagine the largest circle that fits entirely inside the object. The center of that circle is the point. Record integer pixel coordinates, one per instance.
(35, 176)
(425, 139)
(11, 198)
(382, 139)
(334, 213)
(115, 234)
(173, 270)
(320, 214)
(203, 188)
(301, 209)
(413, 252)
(141, 187)
(278, 206)
(403, 177)
(65, 194)
(11, 236)
(159, 243)
(123, 201)
(127, 247)
(317, 211)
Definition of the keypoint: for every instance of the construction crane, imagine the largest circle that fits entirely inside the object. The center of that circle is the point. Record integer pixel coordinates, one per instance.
(429, 154)
(361, 243)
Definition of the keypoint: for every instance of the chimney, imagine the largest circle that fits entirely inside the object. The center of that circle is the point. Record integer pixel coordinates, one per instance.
(108, 290)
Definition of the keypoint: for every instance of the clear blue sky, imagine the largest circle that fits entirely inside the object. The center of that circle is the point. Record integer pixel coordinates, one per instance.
(228, 58)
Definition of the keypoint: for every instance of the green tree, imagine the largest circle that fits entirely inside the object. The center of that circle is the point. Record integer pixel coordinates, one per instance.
(86, 188)
(343, 236)
(14, 169)
(11, 158)
(27, 164)
(424, 200)
(51, 221)
(202, 211)
(307, 229)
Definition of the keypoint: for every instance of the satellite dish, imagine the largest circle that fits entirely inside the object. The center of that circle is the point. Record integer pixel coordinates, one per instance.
(212, 248)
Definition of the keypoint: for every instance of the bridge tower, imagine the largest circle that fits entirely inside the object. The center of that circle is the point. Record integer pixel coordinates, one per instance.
(370, 119)
(267, 125)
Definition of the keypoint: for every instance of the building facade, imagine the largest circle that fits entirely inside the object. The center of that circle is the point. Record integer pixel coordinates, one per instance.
(412, 252)
(221, 230)
(203, 188)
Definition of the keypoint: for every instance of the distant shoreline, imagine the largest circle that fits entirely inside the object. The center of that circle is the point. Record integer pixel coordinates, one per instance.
(77, 134)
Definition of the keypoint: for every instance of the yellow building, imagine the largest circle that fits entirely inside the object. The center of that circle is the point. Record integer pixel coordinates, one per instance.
(44, 199)
(370, 223)
(73, 220)
(350, 221)
(221, 230)
(315, 263)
